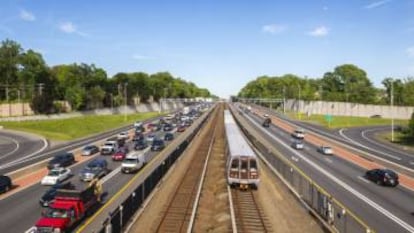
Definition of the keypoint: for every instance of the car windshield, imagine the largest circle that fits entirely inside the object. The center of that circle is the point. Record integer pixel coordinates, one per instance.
(55, 213)
(129, 160)
(158, 142)
(53, 173)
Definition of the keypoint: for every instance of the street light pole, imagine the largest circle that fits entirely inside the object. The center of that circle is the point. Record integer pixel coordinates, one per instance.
(392, 110)
(284, 100)
(299, 102)
(126, 96)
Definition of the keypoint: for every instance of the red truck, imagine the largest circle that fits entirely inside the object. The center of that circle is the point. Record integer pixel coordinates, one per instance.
(68, 209)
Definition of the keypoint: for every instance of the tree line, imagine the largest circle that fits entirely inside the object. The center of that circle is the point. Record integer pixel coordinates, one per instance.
(346, 83)
(25, 76)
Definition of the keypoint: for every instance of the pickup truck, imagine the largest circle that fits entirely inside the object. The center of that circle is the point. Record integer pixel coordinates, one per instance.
(69, 208)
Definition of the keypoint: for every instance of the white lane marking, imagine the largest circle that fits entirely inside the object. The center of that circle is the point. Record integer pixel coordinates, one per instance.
(296, 159)
(379, 144)
(366, 147)
(15, 149)
(363, 179)
(341, 183)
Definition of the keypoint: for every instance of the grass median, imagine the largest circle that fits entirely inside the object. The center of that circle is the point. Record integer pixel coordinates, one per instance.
(345, 121)
(77, 127)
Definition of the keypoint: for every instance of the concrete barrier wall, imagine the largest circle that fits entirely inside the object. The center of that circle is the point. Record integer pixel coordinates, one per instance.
(349, 109)
(153, 107)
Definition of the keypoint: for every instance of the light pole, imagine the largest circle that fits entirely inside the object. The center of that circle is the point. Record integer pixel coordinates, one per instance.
(126, 96)
(392, 110)
(284, 99)
(299, 101)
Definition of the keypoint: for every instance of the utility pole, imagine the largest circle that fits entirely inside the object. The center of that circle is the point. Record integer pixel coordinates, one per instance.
(299, 102)
(284, 100)
(126, 96)
(392, 110)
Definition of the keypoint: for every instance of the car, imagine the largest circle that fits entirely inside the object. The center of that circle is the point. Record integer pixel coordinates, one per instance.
(97, 168)
(119, 155)
(56, 175)
(266, 122)
(123, 135)
(140, 144)
(138, 124)
(5, 183)
(168, 137)
(181, 128)
(188, 122)
(299, 133)
(48, 197)
(298, 145)
(138, 137)
(266, 115)
(382, 176)
(155, 127)
(61, 160)
(326, 150)
(140, 129)
(90, 150)
(168, 127)
(150, 137)
(157, 145)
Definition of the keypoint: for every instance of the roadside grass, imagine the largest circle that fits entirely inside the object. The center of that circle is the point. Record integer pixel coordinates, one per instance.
(344, 121)
(77, 127)
(400, 139)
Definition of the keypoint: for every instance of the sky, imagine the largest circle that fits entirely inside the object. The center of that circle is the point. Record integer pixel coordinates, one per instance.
(218, 44)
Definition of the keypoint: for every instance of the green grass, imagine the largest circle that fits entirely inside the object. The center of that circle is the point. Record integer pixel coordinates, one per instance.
(399, 139)
(77, 127)
(345, 121)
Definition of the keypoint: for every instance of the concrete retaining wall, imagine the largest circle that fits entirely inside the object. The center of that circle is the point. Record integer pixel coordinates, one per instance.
(349, 109)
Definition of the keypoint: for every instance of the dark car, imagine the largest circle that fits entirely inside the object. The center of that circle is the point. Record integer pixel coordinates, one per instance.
(90, 150)
(188, 122)
(384, 177)
(138, 137)
(50, 194)
(157, 145)
(95, 169)
(266, 122)
(140, 144)
(168, 137)
(168, 127)
(61, 160)
(5, 184)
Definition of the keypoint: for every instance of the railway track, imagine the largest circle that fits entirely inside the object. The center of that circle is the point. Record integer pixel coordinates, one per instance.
(247, 215)
(181, 210)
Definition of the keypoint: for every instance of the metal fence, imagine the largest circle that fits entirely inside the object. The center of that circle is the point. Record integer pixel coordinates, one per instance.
(120, 217)
(330, 211)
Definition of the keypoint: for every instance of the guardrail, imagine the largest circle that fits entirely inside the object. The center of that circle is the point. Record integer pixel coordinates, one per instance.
(120, 217)
(334, 215)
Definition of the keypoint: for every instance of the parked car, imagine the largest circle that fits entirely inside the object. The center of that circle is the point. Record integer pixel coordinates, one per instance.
(123, 135)
(56, 175)
(326, 150)
(168, 137)
(90, 150)
(97, 168)
(140, 144)
(384, 177)
(157, 145)
(119, 155)
(50, 194)
(5, 183)
(298, 144)
(61, 160)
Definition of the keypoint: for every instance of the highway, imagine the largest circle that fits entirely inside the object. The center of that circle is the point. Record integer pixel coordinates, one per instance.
(384, 209)
(23, 210)
(16, 145)
(398, 159)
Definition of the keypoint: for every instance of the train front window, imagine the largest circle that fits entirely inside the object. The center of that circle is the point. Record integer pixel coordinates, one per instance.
(235, 163)
(244, 164)
(253, 164)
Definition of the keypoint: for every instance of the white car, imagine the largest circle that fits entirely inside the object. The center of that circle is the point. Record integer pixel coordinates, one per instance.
(299, 133)
(326, 150)
(150, 137)
(123, 135)
(56, 176)
(138, 124)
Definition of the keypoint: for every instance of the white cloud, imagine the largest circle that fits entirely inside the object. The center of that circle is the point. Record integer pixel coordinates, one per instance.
(27, 16)
(410, 51)
(319, 31)
(141, 57)
(377, 4)
(274, 28)
(67, 27)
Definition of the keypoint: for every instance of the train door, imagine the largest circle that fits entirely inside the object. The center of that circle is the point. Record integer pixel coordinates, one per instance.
(244, 166)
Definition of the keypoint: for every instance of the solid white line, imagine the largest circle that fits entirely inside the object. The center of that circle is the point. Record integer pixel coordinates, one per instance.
(363, 179)
(379, 144)
(15, 142)
(366, 147)
(373, 204)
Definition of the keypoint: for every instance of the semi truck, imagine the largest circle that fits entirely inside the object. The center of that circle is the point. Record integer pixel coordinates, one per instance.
(68, 209)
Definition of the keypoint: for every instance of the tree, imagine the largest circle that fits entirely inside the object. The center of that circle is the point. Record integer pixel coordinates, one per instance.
(411, 126)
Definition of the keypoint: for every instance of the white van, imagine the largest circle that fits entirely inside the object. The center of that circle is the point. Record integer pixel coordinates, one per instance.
(135, 161)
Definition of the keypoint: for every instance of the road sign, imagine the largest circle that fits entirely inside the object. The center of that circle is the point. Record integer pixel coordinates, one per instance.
(328, 118)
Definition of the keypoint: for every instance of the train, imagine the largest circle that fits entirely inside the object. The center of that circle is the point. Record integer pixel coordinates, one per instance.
(242, 168)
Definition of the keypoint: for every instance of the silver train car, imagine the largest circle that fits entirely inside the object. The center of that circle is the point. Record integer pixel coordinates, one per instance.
(242, 169)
